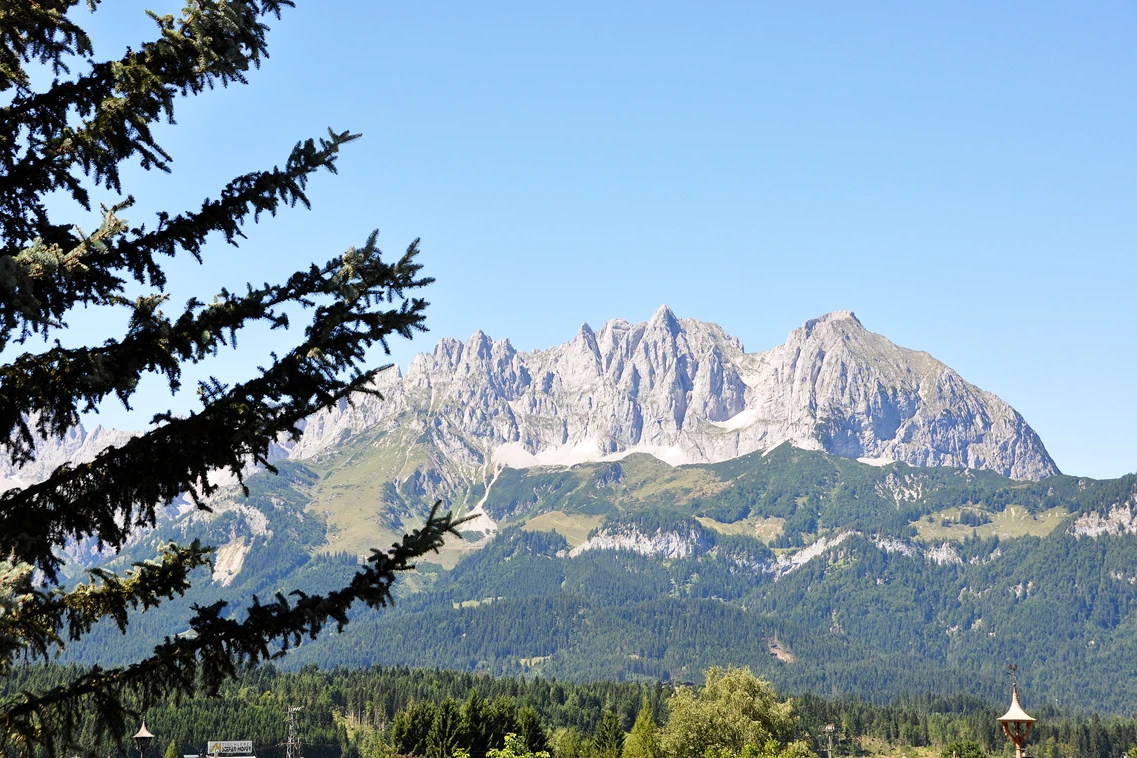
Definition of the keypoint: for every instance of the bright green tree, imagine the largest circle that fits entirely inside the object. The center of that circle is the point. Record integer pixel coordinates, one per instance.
(68, 138)
(965, 749)
(172, 749)
(567, 743)
(515, 748)
(643, 741)
(733, 713)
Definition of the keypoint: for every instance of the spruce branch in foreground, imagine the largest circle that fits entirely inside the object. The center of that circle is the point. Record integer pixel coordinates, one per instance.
(212, 651)
(70, 139)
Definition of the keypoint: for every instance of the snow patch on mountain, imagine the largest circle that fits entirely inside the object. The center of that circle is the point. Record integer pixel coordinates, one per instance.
(738, 421)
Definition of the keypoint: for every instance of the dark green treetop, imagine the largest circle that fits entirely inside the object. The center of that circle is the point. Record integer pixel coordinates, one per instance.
(71, 137)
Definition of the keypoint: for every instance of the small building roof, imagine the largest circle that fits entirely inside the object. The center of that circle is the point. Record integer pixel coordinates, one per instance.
(1016, 712)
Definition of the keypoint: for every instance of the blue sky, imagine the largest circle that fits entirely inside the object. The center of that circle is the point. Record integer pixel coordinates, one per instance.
(960, 175)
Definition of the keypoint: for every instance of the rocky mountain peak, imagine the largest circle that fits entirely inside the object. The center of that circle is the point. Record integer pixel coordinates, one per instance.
(664, 319)
(686, 391)
(682, 390)
(844, 321)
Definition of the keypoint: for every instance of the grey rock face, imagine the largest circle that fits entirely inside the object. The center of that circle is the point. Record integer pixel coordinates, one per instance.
(680, 389)
(687, 392)
(77, 446)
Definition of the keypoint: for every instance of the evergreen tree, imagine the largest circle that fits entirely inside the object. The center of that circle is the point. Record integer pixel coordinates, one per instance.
(609, 739)
(70, 138)
(411, 727)
(502, 720)
(445, 735)
(476, 724)
(643, 742)
(531, 730)
(172, 749)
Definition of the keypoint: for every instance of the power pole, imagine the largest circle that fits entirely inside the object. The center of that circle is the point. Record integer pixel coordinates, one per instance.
(829, 729)
(292, 746)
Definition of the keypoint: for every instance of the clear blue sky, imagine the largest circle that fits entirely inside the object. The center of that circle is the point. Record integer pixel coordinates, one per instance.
(962, 175)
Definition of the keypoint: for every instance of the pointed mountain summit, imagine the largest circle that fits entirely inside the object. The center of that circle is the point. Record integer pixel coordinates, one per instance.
(851, 392)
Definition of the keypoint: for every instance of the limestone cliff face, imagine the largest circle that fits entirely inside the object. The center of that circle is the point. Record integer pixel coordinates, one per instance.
(78, 446)
(687, 392)
(680, 389)
(838, 387)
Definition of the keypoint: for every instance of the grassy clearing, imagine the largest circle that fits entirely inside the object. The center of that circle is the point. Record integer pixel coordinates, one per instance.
(870, 746)
(574, 527)
(1015, 521)
(764, 529)
(453, 550)
(350, 493)
(476, 603)
(647, 478)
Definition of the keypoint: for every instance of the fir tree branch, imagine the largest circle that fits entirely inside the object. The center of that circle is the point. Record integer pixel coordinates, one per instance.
(32, 619)
(214, 649)
(105, 498)
(42, 150)
(37, 31)
(55, 385)
(42, 282)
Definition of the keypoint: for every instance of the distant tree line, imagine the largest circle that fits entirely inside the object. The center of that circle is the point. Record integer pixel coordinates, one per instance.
(384, 712)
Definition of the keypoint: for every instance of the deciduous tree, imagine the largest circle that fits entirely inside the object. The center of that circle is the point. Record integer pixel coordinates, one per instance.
(964, 749)
(734, 713)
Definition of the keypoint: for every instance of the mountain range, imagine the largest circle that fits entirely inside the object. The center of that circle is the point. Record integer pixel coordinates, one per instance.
(838, 512)
(685, 391)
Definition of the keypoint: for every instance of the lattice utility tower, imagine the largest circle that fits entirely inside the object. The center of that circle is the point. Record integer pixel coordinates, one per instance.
(292, 747)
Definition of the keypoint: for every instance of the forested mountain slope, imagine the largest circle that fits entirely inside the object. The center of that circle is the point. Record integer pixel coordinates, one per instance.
(817, 571)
